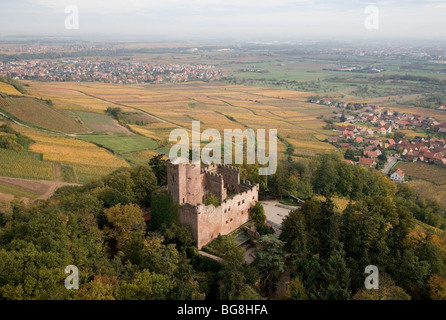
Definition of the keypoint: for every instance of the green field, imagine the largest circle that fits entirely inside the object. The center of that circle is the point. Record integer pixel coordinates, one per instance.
(98, 122)
(85, 173)
(121, 143)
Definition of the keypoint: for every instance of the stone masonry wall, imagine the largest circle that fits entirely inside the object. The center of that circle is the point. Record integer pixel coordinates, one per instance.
(231, 177)
(214, 185)
(207, 222)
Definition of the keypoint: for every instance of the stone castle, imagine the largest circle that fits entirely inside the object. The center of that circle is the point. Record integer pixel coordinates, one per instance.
(190, 186)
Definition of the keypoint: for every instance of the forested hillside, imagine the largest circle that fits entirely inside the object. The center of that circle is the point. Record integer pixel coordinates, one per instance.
(100, 228)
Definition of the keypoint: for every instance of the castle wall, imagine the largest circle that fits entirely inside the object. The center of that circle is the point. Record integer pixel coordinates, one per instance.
(215, 185)
(231, 177)
(207, 222)
(189, 184)
(188, 216)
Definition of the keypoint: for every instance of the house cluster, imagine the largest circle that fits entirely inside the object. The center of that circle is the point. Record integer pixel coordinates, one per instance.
(419, 149)
(388, 120)
(107, 71)
(362, 139)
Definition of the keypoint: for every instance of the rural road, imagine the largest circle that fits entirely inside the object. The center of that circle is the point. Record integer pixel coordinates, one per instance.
(390, 163)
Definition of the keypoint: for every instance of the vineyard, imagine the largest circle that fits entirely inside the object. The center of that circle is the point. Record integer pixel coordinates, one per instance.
(25, 165)
(8, 89)
(38, 113)
(140, 157)
(4, 102)
(219, 106)
(122, 143)
(84, 173)
(99, 122)
(429, 172)
(72, 151)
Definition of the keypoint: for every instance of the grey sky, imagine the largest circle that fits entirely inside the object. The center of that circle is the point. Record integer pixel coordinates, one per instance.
(178, 19)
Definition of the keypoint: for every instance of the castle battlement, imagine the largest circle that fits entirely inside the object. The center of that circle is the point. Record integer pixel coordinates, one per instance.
(229, 167)
(213, 174)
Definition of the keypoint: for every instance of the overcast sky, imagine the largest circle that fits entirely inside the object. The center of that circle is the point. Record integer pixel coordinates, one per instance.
(177, 19)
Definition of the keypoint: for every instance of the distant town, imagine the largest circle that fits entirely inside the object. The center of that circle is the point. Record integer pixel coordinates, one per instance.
(124, 72)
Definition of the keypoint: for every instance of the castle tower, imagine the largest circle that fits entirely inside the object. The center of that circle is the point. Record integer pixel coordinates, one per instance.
(185, 182)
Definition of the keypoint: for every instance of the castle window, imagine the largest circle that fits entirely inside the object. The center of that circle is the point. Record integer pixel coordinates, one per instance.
(239, 203)
(226, 221)
(252, 197)
(230, 220)
(225, 210)
(229, 209)
(243, 201)
(183, 200)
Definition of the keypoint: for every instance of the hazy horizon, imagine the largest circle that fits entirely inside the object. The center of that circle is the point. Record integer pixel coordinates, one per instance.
(225, 20)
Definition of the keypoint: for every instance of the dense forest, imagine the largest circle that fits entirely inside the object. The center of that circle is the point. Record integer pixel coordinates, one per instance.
(99, 227)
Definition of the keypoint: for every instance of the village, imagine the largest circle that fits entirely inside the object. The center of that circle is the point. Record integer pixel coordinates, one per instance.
(371, 138)
(107, 71)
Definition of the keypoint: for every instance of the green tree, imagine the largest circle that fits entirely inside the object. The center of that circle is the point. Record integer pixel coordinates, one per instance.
(163, 210)
(326, 176)
(295, 290)
(269, 261)
(212, 199)
(126, 226)
(349, 154)
(336, 278)
(144, 184)
(159, 168)
(146, 286)
(387, 290)
(257, 214)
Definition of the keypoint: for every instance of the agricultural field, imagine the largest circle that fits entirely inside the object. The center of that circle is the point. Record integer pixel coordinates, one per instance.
(429, 190)
(25, 165)
(429, 172)
(216, 105)
(17, 192)
(37, 113)
(121, 143)
(9, 89)
(70, 150)
(140, 157)
(84, 173)
(97, 122)
(58, 158)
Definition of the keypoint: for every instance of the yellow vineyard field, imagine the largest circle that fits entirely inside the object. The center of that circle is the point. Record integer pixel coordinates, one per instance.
(8, 89)
(71, 151)
(216, 105)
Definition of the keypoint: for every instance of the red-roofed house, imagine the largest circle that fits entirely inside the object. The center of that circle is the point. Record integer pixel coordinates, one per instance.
(371, 154)
(397, 176)
(366, 162)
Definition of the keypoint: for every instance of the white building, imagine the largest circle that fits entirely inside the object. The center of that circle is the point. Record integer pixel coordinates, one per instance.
(397, 176)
